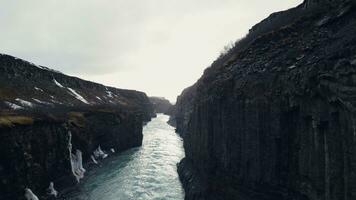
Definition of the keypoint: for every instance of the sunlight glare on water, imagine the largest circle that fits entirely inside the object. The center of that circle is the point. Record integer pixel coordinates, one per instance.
(145, 173)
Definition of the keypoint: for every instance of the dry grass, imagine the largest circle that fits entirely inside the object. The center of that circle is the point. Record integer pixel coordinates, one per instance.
(76, 118)
(9, 121)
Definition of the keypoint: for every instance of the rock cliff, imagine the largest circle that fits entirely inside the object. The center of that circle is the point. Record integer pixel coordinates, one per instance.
(161, 105)
(52, 124)
(274, 118)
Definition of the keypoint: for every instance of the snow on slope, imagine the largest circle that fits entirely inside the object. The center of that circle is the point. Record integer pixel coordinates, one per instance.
(78, 96)
(58, 84)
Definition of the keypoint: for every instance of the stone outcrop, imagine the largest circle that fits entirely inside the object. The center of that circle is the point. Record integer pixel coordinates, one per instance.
(274, 119)
(161, 105)
(183, 109)
(51, 124)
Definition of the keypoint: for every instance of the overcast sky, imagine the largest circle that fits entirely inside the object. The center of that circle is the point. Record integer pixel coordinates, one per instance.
(156, 46)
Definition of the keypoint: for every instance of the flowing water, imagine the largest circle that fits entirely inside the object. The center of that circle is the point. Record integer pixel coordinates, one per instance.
(144, 173)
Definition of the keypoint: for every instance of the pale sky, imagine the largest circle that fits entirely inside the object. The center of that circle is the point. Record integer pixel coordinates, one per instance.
(156, 46)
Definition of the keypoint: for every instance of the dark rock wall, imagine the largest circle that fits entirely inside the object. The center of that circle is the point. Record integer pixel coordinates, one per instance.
(34, 155)
(311, 3)
(276, 120)
(183, 109)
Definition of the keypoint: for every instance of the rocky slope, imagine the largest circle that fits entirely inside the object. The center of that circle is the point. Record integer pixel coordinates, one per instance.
(161, 105)
(53, 125)
(274, 118)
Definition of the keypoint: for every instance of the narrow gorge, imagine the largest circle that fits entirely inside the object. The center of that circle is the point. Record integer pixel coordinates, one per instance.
(274, 117)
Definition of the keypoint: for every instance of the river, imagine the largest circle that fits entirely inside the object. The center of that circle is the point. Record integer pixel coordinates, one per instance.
(145, 173)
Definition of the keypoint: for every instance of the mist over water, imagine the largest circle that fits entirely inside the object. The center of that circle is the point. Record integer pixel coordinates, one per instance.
(145, 173)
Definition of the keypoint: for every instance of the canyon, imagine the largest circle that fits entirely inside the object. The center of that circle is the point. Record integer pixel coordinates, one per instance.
(274, 117)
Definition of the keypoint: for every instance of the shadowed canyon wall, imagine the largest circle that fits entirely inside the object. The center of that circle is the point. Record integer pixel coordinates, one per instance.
(274, 118)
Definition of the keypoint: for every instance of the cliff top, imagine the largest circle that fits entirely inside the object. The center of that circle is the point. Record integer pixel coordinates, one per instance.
(32, 90)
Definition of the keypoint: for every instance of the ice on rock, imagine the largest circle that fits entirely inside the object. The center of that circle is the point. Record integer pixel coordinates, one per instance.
(70, 141)
(112, 150)
(93, 159)
(51, 190)
(77, 165)
(29, 195)
(76, 160)
(98, 153)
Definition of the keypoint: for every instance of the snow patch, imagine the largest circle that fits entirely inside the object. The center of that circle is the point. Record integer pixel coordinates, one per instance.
(112, 150)
(300, 57)
(109, 93)
(13, 106)
(58, 84)
(29, 195)
(98, 153)
(78, 96)
(24, 103)
(323, 21)
(57, 102)
(292, 67)
(98, 98)
(38, 89)
(46, 68)
(51, 190)
(41, 102)
(76, 160)
(112, 102)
